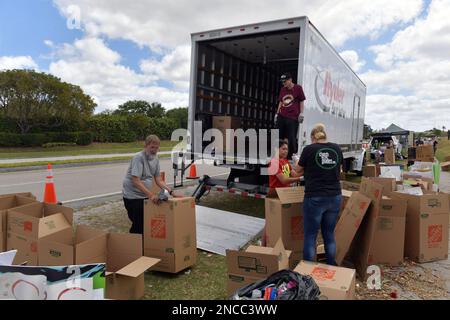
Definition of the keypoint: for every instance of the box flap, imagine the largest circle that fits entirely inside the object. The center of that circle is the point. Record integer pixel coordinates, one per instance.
(346, 193)
(138, 267)
(84, 233)
(291, 195)
(280, 251)
(328, 276)
(52, 224)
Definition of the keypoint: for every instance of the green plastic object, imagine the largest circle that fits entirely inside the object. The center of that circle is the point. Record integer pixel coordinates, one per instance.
(436, 172)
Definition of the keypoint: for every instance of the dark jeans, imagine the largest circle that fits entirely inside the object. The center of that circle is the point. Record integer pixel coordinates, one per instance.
(288, 130)
(320, 212)
(135, 209)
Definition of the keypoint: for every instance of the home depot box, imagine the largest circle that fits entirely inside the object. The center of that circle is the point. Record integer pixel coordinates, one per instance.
(335, 283)
(370, 171)
(28, 224)
(389, 184)
(170, 233)
(236, 282)
(125, 267)
(427, 223)
(364, 237)
(389, 156)
(349, 223)
(388, 241)
(255, 263)
(86, 246)
(284, 219)
(223, 123)
(9, 202)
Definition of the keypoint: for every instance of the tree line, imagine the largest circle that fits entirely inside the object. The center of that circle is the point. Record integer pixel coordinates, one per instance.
(38, 108)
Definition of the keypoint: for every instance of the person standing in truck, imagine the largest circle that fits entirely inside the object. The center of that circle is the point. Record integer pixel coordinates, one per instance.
(290, 111)
(321, 162)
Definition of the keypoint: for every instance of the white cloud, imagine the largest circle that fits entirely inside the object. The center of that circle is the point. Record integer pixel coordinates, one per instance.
(168, 24)
(415, 63)
(90, 64)
(17, 62)
(352, 58)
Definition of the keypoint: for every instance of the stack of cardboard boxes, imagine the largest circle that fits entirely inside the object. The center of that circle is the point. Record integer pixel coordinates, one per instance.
(425, 153)
(43, 235)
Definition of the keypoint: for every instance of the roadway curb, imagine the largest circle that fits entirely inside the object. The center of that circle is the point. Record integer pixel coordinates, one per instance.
(58, 166)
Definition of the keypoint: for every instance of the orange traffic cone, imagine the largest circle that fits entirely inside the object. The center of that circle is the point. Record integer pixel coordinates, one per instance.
(49, 193)
(192, 172)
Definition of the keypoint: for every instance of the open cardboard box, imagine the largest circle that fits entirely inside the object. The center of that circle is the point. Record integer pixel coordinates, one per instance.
(284, 219)
(30, 223)
(125, 267)
(85, 247)
(255, 263)
(6, 203)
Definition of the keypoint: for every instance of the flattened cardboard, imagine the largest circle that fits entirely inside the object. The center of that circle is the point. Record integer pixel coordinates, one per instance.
(335, 283)
(427, 222)
(366, 231)
(138, 267)
(349, 222)
(258, 262)
(389, 238)
(170, 234)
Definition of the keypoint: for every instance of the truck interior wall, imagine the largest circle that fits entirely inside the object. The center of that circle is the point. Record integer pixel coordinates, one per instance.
(228, 85)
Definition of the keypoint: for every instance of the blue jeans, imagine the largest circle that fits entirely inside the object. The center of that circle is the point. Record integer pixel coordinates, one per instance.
(320, 212)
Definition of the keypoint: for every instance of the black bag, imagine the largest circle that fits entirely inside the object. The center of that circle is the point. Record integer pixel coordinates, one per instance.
(305, 289)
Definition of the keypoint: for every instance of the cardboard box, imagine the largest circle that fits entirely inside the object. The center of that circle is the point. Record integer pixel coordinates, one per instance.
(21, 194)
(222, 123)
(170, 233)
(30, 223)
(349, 223)
(370, 171)
(9, 202)
(125, 267)
(320, 254)
(445, 166)
(284, 219)
(254, 264)
(87, 246)
(365, 235)
(350, 186)
(345, 197)
(389, 237)
(389, 184)
(424, 152)
(258, 262)
(427, 223)
(335, 283)
(155, 189)
(236, 282)
(389, 156)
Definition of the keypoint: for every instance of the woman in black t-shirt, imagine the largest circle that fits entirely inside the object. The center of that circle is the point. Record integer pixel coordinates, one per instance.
(321, 163)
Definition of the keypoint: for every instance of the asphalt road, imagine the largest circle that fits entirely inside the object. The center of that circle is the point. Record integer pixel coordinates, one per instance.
(84, 182)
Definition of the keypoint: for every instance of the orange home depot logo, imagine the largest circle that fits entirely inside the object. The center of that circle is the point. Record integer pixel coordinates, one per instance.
(33, 247)
(28, 226)
(434, 236)
(322, 274)
(158, 228)
(297, 228)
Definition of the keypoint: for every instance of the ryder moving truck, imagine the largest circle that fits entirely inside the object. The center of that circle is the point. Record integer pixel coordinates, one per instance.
(235, 72)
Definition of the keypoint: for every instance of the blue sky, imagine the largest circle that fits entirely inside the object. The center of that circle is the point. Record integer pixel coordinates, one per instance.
(123, 52)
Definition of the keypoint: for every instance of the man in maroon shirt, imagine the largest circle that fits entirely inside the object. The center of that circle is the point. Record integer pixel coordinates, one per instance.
(290, 111)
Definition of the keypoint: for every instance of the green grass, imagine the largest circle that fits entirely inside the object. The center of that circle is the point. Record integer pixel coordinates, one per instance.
(44, 163)
(95, 148)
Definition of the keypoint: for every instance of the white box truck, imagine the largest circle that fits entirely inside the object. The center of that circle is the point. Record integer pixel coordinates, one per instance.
(235, 72)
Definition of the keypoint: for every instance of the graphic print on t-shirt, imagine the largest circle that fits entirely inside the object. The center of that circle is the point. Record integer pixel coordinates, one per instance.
(287, 100)
(327, 158)
(286, 170)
